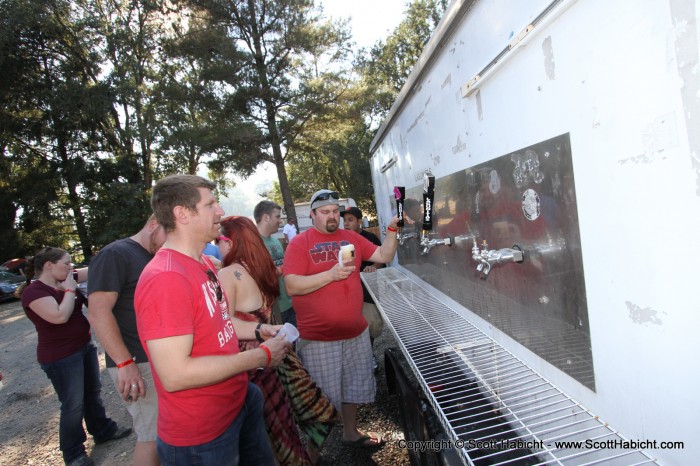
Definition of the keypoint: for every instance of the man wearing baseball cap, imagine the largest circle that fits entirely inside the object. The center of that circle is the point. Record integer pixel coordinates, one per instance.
(327, 297)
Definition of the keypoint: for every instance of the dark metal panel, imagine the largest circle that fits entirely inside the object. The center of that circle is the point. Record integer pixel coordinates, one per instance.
(528, 198)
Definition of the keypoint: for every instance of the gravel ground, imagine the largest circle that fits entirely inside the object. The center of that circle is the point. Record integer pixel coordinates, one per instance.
(29, 409)
(383, 416)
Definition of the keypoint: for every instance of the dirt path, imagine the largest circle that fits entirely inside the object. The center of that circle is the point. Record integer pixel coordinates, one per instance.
(29, 409)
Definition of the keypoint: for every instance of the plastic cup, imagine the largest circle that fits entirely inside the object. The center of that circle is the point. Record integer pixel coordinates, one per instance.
(349, 250)
(289, 332)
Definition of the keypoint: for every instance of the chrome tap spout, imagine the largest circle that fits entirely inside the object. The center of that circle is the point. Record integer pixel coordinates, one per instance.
(427, 243)
(486, 258)
(402, 237)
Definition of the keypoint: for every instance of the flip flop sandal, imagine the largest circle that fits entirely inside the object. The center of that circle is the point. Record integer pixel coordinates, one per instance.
(362, 441)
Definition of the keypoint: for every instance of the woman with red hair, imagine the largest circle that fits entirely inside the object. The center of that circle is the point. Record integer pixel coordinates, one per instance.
(250, 282)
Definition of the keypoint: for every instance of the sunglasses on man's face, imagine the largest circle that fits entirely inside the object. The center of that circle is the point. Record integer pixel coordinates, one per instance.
(326, 196)
(217, 286)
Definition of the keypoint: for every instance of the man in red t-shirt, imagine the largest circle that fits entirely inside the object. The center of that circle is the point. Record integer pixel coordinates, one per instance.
(208, 413)
(327, 297)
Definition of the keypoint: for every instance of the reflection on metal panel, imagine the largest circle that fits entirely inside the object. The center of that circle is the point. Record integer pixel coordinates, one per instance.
(500, 409)
(526, 198)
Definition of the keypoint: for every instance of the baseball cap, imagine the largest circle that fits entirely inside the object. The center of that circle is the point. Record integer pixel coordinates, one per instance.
(324, 197)
(354, 211)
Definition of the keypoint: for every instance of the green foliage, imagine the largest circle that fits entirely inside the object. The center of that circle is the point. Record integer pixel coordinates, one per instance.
(287, 68)
(50, 120)
(100, 98)
(333, 150)
(203, 122)
(391, 62)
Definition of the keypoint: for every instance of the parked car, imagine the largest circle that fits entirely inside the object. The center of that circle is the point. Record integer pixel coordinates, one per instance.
(15, 266)
(8, 284)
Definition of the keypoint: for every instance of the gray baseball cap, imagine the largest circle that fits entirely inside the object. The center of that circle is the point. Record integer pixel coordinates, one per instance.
(324, 197)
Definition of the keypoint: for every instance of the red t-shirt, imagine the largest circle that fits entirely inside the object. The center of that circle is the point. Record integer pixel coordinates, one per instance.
(333, 312)
(175, 297)
(56, 341)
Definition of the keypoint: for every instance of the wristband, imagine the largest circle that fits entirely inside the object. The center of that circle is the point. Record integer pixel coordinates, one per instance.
(69, 290)
(268, 353)
(258, 335)
(126, 363)
(391, 229)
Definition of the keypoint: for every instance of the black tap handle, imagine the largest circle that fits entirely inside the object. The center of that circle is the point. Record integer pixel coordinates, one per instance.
(400, 195)
(428, 199)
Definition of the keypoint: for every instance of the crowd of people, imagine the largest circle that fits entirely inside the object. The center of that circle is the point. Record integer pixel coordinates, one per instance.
(192, 339)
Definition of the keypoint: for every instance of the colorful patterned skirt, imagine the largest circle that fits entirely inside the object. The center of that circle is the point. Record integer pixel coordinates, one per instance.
(313, 411)
(284, 437)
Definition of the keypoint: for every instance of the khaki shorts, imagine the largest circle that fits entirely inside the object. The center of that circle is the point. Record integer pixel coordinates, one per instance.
(374, 319)
(144, 411)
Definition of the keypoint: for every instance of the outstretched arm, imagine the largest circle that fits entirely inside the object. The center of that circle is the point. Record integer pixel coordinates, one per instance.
(385, 253)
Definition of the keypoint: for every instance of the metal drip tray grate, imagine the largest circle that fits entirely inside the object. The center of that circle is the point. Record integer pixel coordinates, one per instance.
(502, 410)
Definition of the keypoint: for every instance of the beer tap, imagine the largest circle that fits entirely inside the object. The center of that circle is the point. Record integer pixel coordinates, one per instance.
(487, 258)
(401, 236)
(426, 242)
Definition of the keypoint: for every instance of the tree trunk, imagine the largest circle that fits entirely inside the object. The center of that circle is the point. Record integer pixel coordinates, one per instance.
(85, 243)
(284, 184)
(71, 177)
(271, 115)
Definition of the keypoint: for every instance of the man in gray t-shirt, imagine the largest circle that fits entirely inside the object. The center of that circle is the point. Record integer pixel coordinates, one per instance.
(267, 216)
(113, 275)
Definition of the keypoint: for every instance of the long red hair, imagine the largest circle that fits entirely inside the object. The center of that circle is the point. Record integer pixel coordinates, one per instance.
(248, 249)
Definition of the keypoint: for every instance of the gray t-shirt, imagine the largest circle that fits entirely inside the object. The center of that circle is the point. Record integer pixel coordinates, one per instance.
(117, 267)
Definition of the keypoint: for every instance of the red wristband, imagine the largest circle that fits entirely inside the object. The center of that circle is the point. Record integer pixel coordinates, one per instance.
(126, 363)
(268, 353)
(69, 290)
(391, 229)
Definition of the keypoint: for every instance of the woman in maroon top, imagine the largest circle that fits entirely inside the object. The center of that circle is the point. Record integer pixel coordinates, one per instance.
(66, 353)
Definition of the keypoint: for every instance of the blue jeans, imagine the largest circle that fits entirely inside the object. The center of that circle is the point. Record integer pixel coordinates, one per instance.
(244, 442)
(76, 379)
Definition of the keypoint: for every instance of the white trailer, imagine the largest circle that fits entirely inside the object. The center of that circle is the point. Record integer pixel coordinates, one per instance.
(567, 133)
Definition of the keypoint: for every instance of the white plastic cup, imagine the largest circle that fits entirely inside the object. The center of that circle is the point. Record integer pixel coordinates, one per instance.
(289, 332)
(350, 250)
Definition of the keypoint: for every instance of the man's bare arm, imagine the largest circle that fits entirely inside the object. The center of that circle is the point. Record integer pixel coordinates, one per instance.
(298, 285)
(385, 253)
(104, 324)
(178, 370)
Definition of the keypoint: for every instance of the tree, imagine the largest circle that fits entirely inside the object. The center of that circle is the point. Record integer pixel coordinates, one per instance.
(292, 67)
(50, 120)
(333, 151)
(390, 62)
(201, 122)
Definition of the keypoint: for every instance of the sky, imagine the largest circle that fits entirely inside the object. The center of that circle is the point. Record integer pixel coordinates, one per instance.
(370, 20)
